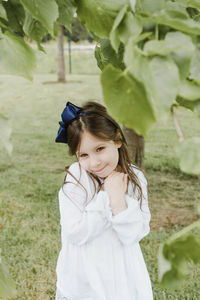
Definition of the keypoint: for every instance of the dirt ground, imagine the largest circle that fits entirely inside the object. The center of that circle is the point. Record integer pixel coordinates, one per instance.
(173, 199)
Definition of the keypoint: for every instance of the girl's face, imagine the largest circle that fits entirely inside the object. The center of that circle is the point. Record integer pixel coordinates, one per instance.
(97, 156)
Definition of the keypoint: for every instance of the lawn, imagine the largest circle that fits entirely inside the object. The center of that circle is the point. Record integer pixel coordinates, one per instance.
(31, 177)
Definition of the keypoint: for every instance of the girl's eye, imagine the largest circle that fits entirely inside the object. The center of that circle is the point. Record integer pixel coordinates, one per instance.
(83, 155)
(100, 148)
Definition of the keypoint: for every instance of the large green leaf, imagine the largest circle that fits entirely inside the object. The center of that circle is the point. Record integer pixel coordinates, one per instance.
(189, 90)
(193, 3)
(183, 53)
(126, 25)
(66, 11)
(99, 15)
(189, 155)
(114, 36)
(189, 96)
(3, 14)
(174, 256)
(126, 99)
(105, 55)
(195, 67)
(34, 29)
(174, 21)
(7, 285)
(5, 133)
(45, 11)
(159, 75)
(149, 7)
(16, 56)
(176, 44)
(15, 14)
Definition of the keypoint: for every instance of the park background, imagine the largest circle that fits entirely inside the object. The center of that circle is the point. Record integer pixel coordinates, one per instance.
(33, 174)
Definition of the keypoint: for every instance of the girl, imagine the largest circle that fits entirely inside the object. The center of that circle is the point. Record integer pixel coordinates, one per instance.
(104, 212)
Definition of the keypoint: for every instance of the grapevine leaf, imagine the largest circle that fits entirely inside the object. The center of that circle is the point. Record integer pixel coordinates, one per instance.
(66, 10)
(194, 3)
(184, 52)
(34, 29)
(189, 155)
(125, 97)
(125, 25)
(150, 7)
(45, 11)
(174, 20)
(195, 67)
(16, 56)
(157, 75)
(176, 44)
(3, 13)
(114, 37)
(174, 255)
(15, 14)
(99, 15)
(105, 54)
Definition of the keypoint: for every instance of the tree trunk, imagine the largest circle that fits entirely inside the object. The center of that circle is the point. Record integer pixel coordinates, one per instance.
(61, 59)
(135, 146)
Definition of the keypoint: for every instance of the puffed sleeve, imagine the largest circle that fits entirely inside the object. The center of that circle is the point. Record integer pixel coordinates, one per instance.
(132, 224)
(79, 225)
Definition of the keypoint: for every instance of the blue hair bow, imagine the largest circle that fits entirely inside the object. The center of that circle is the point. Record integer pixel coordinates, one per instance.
(70, 113)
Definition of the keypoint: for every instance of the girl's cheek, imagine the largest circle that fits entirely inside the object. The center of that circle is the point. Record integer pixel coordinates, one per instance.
(83, 164)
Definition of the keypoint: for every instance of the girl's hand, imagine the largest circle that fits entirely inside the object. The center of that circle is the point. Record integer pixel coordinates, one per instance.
(116, 184)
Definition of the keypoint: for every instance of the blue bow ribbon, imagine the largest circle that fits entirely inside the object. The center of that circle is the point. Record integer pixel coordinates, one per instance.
(70, 113)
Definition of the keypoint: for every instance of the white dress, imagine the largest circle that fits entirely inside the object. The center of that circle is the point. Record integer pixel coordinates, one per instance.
(101, 257)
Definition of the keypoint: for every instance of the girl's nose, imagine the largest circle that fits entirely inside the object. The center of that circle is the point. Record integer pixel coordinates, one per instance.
(94, 163)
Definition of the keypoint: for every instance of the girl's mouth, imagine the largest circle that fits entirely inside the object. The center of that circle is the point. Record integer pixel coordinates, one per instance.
(99, 170)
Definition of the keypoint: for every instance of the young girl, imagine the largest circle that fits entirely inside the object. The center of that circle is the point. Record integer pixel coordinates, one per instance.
(103, 212)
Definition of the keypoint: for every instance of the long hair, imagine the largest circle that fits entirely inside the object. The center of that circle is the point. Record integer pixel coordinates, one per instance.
(101, 125)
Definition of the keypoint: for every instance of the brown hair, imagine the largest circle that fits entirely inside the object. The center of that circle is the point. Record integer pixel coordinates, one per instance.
(99, 123)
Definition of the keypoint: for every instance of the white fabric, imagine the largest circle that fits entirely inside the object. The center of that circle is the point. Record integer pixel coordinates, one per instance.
(101, 257)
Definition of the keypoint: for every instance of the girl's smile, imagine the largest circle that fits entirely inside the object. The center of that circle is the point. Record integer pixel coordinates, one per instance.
(98, 156)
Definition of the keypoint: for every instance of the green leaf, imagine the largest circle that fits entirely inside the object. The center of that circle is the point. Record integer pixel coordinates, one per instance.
(195, 67)
(125, 25)
(189, 156)
(114, 38)
(34, 29)
(7, 285)
(158, 75)
(174, 21)
(189, 90)
(183, 53)
(16, 56)
(193, 3)
(45, 11)
(149, 7)
(126, 99)
(105, 55)
(131, 26)
(3, 14)
(99, 15)
(189, 96)
(175, 254)
(5, 133)
(156, 47)
(176, 44)
(66, 11)
(15, 13)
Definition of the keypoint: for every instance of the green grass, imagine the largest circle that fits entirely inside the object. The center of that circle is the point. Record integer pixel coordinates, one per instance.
(31, 177)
